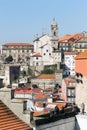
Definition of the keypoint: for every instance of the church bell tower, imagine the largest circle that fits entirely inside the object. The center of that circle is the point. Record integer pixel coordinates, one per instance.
(54, 35)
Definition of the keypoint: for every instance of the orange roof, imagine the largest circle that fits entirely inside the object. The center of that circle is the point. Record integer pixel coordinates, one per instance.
(37, 54)
(82, 55)
(58, 104)
(69, 38)
(9, 121)
(38, 104)
(46, 76)
(24, 90)
(70, 53)
(40, 95)
(77, 36)
(69, 80)
(17, 44)
(27, 90)
(38, 113)
(65, 38)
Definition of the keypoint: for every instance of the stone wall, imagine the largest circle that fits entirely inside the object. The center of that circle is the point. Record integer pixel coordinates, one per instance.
(16, 105)
(44, 83)
(81, 91)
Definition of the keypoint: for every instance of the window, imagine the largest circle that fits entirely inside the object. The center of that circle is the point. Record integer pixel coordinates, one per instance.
(54, 33)
(71, 92)
(49, 53)
(37, 64)
(22, 50)
(27, 50)
(44, 54)
(9, 51)
(36, 58)
(80, 45)
(46, 50)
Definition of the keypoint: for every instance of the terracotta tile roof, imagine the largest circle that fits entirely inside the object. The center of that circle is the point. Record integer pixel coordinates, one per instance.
(59, 104)
(65, 38)
(24, 90)
(27, 90)
(71, 38)
(46, 76)
(77, 36)
(38, 104)
(17, 44)
(37, 54)
(69, 80)
(70, 53)
(9, 121)
(39, 113)
(48, 110)
(40, 95)
(82, 55)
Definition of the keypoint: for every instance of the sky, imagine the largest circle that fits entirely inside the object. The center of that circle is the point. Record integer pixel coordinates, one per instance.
(21, 20)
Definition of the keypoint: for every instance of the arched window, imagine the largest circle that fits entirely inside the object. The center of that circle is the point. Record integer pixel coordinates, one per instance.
(54, 33)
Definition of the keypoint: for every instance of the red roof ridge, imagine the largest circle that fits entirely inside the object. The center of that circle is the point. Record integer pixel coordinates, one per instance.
(17, 44)
(46, 76)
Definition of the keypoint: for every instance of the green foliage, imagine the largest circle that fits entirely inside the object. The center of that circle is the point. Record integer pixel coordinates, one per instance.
(47, 71)
(50, 70)
(9, 59)
(54, 67)
(29, 71)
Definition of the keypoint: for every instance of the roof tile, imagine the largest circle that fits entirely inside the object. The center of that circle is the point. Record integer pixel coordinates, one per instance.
(9, 121)
(82, 55)
(17, 44)
(46, 76)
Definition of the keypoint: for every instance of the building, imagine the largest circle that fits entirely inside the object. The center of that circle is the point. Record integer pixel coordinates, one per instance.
(9, 121)
(54, 35)
(67, 43)
(69, 63)
(81, 43)
(63, 43)
(47, 48)
(81, 79)
(20, 52)
(68, 89)
(47, 80)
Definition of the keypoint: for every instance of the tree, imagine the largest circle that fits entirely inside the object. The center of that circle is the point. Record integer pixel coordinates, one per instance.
(47, 71)
(9, 59)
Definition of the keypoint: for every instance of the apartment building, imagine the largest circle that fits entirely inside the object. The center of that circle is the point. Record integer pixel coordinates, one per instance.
(20, 52)
(69, 63)
(81, 79)
(68, 89)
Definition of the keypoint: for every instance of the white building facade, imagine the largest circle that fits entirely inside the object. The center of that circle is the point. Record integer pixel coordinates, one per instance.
(69, 61)
(47, 46)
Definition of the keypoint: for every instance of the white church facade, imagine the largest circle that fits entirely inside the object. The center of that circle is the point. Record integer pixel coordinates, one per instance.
(46, 48)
